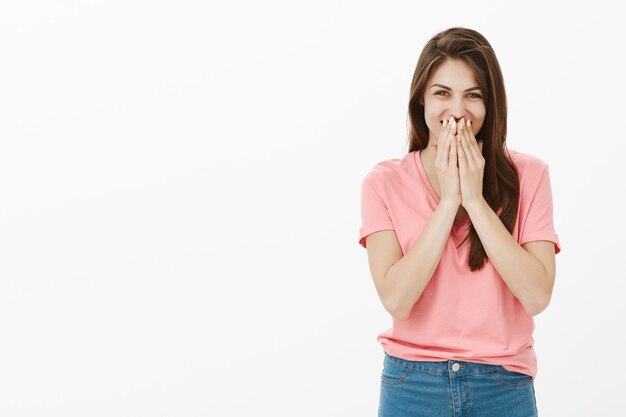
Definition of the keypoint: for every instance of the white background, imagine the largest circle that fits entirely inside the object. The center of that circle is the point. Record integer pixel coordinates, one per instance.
(180, 198)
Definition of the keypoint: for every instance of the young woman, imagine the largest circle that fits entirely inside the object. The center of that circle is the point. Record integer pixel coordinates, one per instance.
(460, 243)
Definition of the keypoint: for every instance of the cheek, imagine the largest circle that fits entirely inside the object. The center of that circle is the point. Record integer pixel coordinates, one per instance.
(480, 115)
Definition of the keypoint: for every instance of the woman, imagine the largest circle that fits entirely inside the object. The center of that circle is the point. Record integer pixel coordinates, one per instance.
(460, 243)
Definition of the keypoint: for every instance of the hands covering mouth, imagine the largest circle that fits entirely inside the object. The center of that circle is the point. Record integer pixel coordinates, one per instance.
(456, 123)
(450, 120)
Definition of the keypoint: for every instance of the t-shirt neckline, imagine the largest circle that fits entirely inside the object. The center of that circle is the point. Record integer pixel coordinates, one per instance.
(425, 180)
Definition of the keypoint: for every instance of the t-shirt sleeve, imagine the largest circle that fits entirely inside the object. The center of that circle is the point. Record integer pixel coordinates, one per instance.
(374, 213)
(539, 222)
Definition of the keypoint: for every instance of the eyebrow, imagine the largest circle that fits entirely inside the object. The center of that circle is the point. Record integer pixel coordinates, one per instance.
(448, 88)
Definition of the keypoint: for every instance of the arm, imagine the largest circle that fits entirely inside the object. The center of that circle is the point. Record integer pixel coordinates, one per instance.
(403, 283)
(523, 273)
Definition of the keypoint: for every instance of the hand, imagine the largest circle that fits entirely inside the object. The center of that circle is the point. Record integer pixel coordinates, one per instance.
(471, 165)
(446, 163)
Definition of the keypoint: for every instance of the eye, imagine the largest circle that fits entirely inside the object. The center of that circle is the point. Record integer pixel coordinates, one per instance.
(474, 95)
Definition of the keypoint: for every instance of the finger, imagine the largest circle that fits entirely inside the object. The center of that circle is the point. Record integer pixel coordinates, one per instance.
(461, 157)
(471, 147)
(445, 127)
(452, 159)
(442, 132)
(445, 154)
(440, 144)
(470, 131)
(439, 151)
(468, 158)
(449, 146)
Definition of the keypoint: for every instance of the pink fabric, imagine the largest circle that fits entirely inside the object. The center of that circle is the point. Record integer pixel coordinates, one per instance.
(463, 315)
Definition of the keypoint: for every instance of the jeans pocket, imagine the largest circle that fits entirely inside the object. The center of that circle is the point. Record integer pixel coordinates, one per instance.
(511, 378)
(393, 373)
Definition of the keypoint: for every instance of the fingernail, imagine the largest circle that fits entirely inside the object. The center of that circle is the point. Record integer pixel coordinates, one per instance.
(445, 122)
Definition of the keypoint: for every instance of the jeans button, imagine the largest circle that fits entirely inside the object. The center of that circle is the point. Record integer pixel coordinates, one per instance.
(456, 367)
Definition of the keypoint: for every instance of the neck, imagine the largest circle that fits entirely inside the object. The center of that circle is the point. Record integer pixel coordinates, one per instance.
(429, 153)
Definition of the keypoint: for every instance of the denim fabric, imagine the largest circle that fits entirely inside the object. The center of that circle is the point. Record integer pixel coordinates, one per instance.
(445, 389)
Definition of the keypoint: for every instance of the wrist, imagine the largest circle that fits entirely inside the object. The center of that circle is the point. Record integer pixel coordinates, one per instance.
(450, 203)
(474, 204)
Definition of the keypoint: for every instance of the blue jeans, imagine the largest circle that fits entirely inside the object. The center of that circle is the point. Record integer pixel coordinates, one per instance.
(453, 388)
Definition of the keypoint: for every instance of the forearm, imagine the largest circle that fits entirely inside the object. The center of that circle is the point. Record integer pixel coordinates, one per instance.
(521, 271)
(407, 278)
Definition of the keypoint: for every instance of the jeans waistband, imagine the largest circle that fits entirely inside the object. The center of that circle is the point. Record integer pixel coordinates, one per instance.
(446, 368)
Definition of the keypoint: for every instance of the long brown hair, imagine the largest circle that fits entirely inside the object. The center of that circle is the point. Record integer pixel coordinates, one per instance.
(500, 180)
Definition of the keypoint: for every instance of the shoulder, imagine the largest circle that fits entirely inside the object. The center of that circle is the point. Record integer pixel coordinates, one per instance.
(533, 174)
(391, 170)
(528, 166)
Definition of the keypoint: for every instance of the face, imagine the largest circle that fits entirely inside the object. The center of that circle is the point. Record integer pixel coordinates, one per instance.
(455, 96)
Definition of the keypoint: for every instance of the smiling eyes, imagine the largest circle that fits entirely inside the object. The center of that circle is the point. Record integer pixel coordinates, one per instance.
(476, 95)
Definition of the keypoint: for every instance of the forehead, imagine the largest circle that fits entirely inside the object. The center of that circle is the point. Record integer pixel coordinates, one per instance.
(455, 74)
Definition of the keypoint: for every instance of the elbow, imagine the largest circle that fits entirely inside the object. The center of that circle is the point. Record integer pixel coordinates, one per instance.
(541, 301)
(532, 311)
(400, 312)
(399, 305)
(538, 306)
(394, 311)
(401, 315)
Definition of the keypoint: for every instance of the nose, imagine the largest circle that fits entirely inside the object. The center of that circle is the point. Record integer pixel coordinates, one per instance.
(457, 110)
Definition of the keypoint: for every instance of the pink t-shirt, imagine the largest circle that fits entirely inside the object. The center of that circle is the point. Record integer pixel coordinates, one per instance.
(463, 315)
